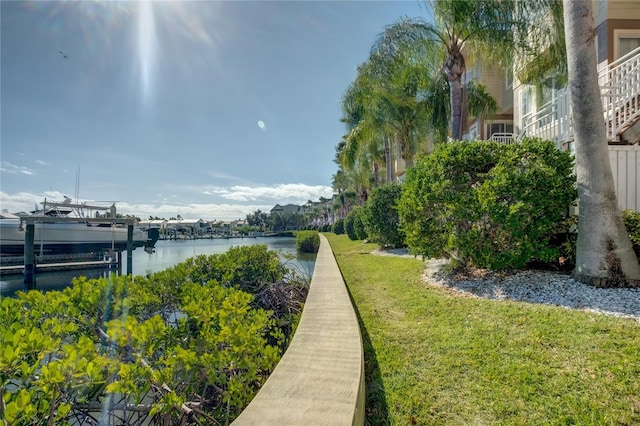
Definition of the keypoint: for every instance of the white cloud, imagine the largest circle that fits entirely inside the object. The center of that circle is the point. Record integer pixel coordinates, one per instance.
(282, 193)
(244, 200)
(24, 201)
(43, 163)
(7, 167)
(223, 175)
(296, 193)
(193, 211)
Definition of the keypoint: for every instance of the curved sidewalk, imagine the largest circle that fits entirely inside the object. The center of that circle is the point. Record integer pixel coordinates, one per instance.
(320, 378)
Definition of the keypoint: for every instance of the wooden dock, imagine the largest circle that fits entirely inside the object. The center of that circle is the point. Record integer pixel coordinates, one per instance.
(44, 267)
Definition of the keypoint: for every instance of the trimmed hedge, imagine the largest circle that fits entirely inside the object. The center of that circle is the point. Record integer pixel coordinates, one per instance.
(308, 241)
(338, 227)
(487, 204)
(381, 218)
(354, 225)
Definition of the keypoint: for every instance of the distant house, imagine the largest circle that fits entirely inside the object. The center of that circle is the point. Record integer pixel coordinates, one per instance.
(289, 208)
(288, 217)
(187, 227)
(320, 212)
(226, 228)
(238, 223)
(152, 224)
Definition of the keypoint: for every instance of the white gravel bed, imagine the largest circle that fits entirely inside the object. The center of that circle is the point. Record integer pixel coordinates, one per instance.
(531, 286)
(537, 287)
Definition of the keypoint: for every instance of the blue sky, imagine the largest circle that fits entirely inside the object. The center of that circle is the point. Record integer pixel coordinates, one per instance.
(199, 108)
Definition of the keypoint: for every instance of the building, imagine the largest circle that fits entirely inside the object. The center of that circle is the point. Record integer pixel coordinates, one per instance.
(499, 84)
(545, 112)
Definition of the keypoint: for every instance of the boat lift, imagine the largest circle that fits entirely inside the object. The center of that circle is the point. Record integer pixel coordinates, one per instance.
(29, 240)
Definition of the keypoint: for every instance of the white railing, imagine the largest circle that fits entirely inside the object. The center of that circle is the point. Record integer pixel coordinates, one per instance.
(552, 121)
(505, 138)
(620, 90)
(620, 83)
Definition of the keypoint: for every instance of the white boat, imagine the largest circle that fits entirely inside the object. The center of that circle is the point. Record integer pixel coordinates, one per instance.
(81, 234)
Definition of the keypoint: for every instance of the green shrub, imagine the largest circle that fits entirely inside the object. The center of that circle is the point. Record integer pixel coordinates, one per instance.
(359, 226)
(632, 223)
(65, 351)
(491, 205)
(308, 241)
(354, 225)
(338, 227)
(567, 241)
(286, 234)
(381, 218)
(348, 227)
(244, 267)
(349, 224)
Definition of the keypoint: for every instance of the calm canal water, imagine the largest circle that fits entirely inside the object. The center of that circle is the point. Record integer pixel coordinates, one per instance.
(167, 254)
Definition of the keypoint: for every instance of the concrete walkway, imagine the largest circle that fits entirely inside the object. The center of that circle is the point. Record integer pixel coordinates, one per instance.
(320, 378)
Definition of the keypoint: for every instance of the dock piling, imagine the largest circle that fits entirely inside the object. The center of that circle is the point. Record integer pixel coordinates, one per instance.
(129, 249)
(29, 258)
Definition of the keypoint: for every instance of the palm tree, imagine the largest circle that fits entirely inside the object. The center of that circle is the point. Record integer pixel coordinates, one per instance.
(542, 55)
(401, 83)
(389, 104)
(482, 27)
(366, 132)
(604, 257)
(357, 168)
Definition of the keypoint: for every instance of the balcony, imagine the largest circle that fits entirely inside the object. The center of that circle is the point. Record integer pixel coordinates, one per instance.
(620, 94)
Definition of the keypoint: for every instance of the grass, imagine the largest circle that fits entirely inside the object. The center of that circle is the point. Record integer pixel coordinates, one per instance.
(433, 358)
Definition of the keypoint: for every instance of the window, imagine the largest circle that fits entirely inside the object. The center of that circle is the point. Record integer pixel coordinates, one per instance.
(625, 41)
(499, 128)
(508, 80)
(524, 102)
(627, 44)
(469, 75)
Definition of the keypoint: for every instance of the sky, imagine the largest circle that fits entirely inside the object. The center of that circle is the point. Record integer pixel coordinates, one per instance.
(203, 109)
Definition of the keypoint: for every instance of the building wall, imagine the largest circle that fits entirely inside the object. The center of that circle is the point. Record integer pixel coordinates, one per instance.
(614, 18)
(500, 88)
(608, 33)
(615, 9)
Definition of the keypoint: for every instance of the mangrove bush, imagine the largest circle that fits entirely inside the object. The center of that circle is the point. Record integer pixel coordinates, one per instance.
(189, 345)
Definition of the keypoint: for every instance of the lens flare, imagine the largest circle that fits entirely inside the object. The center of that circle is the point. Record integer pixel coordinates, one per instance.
(147, 43)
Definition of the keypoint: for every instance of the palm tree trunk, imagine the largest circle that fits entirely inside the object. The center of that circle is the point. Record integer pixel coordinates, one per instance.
(453, 68)
(407, 148)
(388, 159)
(604, 256)
(455, 90)
(376, 174)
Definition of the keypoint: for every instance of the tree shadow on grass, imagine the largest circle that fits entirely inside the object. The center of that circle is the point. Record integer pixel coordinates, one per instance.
(376, 410)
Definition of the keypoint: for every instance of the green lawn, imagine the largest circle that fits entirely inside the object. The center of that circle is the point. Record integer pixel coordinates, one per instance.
(434, 358)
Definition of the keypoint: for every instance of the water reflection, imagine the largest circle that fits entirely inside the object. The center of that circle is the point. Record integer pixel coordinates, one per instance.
(167, 254)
